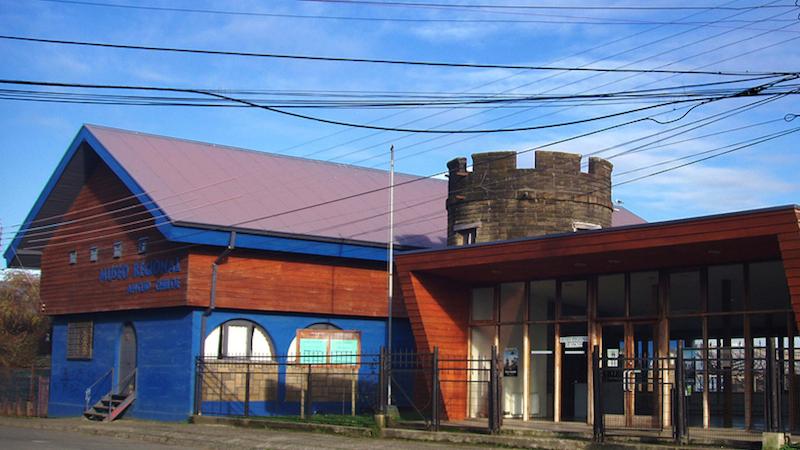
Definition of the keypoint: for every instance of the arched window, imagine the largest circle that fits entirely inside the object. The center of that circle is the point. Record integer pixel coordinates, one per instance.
(291, 353)
(239, 339)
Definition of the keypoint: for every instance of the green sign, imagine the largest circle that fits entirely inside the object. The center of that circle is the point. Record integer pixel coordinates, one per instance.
(312, 351)
(344, 351)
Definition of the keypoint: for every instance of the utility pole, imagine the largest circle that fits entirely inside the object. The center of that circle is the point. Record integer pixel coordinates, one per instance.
(391, 266)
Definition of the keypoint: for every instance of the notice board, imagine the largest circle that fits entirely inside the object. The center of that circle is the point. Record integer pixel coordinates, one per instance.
(339, 347)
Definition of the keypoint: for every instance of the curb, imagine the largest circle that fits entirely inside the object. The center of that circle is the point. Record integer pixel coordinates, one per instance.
(285, 425)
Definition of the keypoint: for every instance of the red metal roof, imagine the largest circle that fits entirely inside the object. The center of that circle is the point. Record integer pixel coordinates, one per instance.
(217, 185)
(225, 186)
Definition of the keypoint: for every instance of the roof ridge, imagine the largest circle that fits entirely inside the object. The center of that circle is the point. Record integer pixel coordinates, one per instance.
(258, 152)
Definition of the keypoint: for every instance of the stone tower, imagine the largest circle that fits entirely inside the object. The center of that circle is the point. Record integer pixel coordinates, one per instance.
(498, 201)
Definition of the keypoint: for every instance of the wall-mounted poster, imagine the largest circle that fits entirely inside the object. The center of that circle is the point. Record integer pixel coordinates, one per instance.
(510, 362)
(341, 347)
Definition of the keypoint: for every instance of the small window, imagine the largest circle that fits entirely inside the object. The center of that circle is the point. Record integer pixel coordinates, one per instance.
(79, 340)
(73, 257)
(141, 246)
(118, 249)
(467, 236)
(584, 226)
(93, 254)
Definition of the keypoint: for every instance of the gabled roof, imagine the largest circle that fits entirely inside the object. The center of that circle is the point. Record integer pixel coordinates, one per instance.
(198, 192)
(190, 186)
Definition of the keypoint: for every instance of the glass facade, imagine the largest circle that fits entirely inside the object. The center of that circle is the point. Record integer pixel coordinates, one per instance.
(723, 316)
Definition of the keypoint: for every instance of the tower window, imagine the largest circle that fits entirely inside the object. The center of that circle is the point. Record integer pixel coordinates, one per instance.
(93, 254)
(73, 257)
(117, 249)
(467, 236)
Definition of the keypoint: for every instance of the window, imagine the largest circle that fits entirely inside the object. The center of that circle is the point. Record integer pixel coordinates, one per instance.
(141, 245)
(73, 257)
(468, 236)
(239, 339)
(117, 249)
(79, 340)
(583, 226)
(93, 254)
(482, 304)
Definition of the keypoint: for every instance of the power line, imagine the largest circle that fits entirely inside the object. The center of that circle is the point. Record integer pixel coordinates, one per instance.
(748, 92)
(372, 60)
(560, 19)
(557, 7)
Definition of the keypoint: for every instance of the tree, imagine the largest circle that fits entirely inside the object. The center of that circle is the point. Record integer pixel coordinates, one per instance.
(23, 328)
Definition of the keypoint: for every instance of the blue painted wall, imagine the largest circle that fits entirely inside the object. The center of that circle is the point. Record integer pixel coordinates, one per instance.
(168, 341)
(282, 329)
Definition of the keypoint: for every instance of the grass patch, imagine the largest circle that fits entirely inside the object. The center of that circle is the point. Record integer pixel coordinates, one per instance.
(332, 419)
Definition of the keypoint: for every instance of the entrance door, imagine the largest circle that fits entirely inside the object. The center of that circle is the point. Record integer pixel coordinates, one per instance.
(127, 360)
(631, 381)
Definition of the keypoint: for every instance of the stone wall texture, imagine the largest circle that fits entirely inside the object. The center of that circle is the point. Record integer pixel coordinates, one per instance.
(504, 202)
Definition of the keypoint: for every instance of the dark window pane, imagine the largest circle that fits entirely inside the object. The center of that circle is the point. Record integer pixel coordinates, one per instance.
(726, 288)
(611, 295)
(684, 292)
(768, 288)
(573, 298)
(512, 302)
(542, 304)
(644, 294)
(483, 304)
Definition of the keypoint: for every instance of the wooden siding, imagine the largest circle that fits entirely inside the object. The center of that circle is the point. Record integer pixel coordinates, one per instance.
(790, 253)
(67, 289)
(438, 310)
(282, 283)
(766, 223)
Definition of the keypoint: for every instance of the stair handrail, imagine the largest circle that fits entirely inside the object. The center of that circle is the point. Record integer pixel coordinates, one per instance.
(88, 394)
(122, 384)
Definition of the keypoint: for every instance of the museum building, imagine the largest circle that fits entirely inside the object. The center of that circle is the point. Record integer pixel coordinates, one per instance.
(155, 251)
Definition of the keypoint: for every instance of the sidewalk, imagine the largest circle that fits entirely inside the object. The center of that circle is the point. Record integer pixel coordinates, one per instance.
(221, 433)
(214, 436)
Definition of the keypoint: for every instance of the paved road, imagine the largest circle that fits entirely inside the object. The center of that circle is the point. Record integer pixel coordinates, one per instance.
(47, 434)
(12, 438)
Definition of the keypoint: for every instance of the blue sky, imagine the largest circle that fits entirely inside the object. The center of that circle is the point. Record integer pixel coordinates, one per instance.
(35, 135)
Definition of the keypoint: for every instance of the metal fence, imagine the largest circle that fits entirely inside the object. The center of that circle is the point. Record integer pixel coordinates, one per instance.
(665, 396)
(416, 384)
(24, 391)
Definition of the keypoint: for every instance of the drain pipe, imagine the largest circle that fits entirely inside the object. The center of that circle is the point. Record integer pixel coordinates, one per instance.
(212, 303)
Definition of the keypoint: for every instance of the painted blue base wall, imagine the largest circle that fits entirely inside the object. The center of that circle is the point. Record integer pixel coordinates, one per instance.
(168, 342)
(165, 348)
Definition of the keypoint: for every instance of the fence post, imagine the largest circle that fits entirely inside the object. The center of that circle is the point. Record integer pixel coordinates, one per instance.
(494, 394)
(769, 378)
(247, 391)
(679, 421)
(435, 414)
(598, 426)
(382, 391)
(198, 386)
(309, 394)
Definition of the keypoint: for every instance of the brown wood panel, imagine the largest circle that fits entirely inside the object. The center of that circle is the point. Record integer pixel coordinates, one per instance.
(700, 230)
(439, 313)
(92, 221)
(248, 280)
(791, 264)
